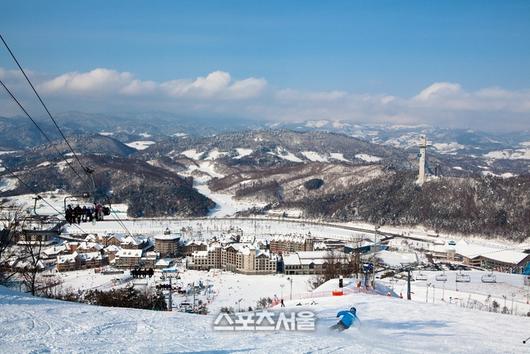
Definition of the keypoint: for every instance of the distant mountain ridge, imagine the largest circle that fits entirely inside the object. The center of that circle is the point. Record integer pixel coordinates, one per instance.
(473, 151)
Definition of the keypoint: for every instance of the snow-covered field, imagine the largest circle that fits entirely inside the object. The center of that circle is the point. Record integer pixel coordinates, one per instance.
(140, 144)
(507, 288)
(230, 287)
(88, 279)
(510, 154)
(225, 204)
(209, 225)
(338, 156)
(314, 156)
(7, 184)
(388, 325)
(448, 148)
(285, 154)
(368, 158)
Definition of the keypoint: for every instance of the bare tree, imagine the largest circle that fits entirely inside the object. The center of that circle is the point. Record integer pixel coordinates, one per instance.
(12, 220)
(353, 259)
(334, 262)
(30, 261)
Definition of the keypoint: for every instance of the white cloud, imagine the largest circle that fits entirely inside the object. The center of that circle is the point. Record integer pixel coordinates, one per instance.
(208, 86)
(246, 88)
(138, 87)
(94, 81)
(290, 94)
(438, 90)
(219, 94)
(217, 84)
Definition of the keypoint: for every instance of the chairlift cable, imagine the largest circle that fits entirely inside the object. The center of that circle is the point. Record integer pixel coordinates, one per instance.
(86, 170)
(120, 222)
(58, 152)
(39, 128)
(37, 194)
(44, 105)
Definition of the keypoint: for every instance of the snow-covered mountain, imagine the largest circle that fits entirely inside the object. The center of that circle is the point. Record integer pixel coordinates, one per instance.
(320, 174)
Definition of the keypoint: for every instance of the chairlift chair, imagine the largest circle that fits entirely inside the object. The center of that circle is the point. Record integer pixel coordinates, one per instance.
(441, 277)
(421, 276)
(463, 278)
(83, 201)
(489, 278)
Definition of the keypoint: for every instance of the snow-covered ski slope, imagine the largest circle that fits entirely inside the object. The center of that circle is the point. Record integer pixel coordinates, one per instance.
(389, 325)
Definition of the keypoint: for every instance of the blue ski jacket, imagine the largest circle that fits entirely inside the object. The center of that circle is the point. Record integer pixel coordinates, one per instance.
(347, 319)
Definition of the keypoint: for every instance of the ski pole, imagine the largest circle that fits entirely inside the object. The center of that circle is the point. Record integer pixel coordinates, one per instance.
(526, 340)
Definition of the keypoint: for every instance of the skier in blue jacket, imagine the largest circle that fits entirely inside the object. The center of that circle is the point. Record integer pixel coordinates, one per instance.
(347, 319)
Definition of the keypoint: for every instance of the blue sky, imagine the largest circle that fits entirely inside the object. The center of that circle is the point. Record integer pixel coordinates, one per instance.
(359, 47)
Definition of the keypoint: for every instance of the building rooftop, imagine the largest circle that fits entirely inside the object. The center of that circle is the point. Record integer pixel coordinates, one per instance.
(130, 253)
(168, 237)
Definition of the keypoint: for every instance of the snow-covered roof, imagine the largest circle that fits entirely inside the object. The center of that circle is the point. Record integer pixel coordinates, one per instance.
(70, 258)
(313, 254)
(262, 253)
(164, 262)
(152, 254)
(471, 250)
(506, 256)
(119, 237)
(291, 259)
(290, 238)
(131, 241)
(200, 254)
(66, 258)
(168, 237)
(306, 257)
(242, 247)
(396, 259)
(90, 255)
(247, 239)
(195, 242)
(53, 250)
(320, 246)
(214, 245)
(91, 238)
(130, 253)
(112, 249)
(90, 245)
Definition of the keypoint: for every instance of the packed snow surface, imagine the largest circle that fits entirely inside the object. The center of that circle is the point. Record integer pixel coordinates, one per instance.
(338, 156)
(242, 152)
(368, 158)
(285, 154)
(448, 148)
(140, 144)
(192, 154)
(215, 154)
(509, 154)
(8, 184)
(388, 325)
(225, 204)
(314, 156)
(179, 135)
